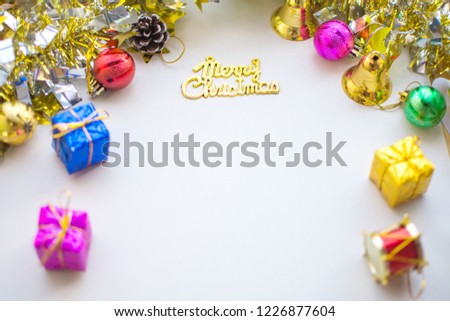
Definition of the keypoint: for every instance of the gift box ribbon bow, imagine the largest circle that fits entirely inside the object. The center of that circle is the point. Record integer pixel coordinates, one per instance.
(62, 129)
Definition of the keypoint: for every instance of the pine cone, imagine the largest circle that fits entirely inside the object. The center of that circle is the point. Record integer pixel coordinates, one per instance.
(151, 34)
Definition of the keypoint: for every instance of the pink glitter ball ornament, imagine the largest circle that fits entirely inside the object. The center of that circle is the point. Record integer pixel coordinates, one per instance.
(334, 40)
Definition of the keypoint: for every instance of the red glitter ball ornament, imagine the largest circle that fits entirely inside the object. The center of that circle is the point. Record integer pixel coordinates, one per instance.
(114, 68)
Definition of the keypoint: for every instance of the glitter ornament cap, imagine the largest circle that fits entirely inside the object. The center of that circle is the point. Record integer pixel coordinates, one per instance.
(334, 40)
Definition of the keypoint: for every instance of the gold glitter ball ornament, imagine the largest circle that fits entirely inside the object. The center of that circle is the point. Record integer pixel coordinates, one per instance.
(17, 123)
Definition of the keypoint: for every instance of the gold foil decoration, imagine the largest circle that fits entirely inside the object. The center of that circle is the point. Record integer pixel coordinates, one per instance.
(401, 172)
(430, 52)
(170, 11)
(371, 35)
(200, 3)
(45, 107)
(203, 86)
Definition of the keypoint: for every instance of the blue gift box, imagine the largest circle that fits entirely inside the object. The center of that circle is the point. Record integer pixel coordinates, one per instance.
(84, 137)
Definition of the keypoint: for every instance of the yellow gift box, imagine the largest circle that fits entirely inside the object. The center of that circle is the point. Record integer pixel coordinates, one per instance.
(401, 172)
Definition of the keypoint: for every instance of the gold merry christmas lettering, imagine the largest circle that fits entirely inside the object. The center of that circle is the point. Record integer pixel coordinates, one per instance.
(203, 86)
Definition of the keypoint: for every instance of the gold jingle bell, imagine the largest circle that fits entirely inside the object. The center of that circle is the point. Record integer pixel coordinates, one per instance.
(17, 123)
(368, 83)
(294, 20)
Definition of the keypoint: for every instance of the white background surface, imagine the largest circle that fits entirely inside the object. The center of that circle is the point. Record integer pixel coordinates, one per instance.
(228, 233)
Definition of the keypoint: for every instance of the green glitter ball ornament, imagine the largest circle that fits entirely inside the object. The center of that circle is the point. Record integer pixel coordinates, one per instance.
(425, 107)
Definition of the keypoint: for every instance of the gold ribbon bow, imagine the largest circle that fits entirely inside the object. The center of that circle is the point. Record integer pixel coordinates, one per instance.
(61, 129)
(66, 128)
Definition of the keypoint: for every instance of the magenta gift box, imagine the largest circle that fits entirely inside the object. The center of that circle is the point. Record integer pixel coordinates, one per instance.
(63, 239)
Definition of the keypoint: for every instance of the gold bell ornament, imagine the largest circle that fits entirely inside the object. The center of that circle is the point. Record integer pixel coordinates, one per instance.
(17, 123)
(294, 20)
(368, 83)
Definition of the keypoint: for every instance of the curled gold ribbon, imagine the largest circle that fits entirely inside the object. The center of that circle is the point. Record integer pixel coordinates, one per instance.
(403, 98)
(179, 57)
(423, 284)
